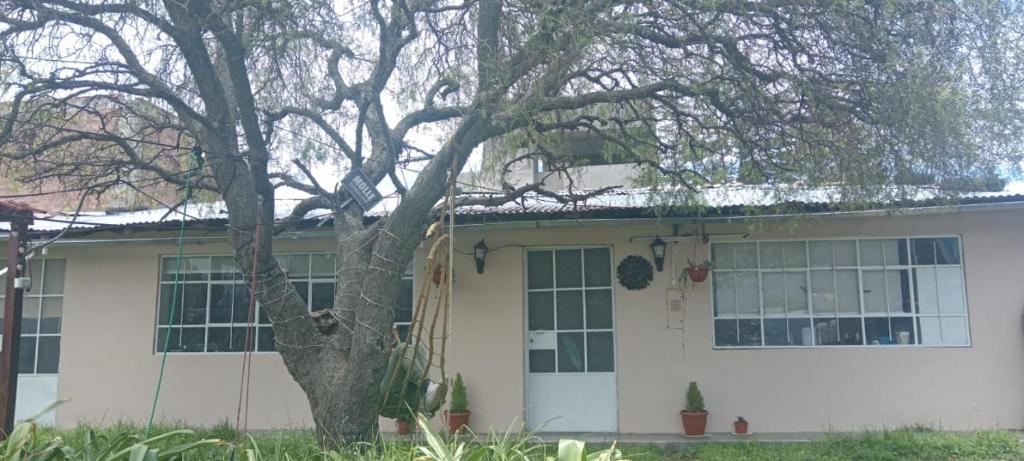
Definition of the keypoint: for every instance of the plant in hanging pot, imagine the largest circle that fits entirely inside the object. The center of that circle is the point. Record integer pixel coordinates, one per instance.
(695, 417)
(698, 272)
(740, 426)
(458, 415)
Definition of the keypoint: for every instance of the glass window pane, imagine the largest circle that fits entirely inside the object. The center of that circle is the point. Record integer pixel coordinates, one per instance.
(569, 310)
(845, 252)
(173, 343)
(541, 315)
(36, 274)
(898, 284)
(303, 289)
(800, 332)
(746, 256)
(876, 330)
(53, 283)
(796, 254)
(193, 339)
(947, 251)
(776, 332)
(192, 268)
(847, 291)
(323, 266)
(194, 308)
(598, 267)
(323, 296)
(951, 290)
(773, 284)
(895, 252)
(599, 309)
(570, 353)
(926, 290)
(223, 268)
(850, 331)
(871, 253)
(265, 339)
(930, 330)
(167, 293)
(297, 266)
(954, 330)
(49, 354)
(568, 269)
(823, 292)
(219, 339)
(53, 310)
(723, 255)
(29, 316)
(542, 361)
(725, 333)
(874, 291)
(821, 253)
(600, 352)
(749, 332)
(796, 293)
(221, 303)
(924, 251)
(241, 304)
(403, 308)
(747, 300)
(27, 355)
(403, 331)
(826, 332)
(725, 294)
(772, 255)
(902, 330)
(539, 270)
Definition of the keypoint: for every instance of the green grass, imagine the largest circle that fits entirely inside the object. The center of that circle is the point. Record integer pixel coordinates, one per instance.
(904, 444)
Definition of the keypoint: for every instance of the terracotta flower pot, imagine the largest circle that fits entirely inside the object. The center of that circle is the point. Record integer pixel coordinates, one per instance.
(698, 274)
(694, 422)
(457, 421)
(740, 426)
(402, 426)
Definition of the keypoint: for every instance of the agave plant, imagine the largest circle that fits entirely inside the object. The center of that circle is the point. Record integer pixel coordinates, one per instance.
(576, 450)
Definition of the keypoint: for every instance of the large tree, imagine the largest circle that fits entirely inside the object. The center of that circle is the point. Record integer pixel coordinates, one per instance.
(864, 96)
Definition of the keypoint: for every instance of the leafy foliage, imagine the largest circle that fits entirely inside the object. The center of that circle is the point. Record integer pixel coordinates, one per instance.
(694, 399)
(460, 401)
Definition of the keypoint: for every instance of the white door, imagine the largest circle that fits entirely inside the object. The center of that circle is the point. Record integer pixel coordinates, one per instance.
(570, 384)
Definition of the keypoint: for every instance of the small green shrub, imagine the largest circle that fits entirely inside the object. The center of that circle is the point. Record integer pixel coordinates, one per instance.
(460, 401)
(694, 399)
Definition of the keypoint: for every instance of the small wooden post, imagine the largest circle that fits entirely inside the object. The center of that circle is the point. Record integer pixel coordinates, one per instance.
(19, 216)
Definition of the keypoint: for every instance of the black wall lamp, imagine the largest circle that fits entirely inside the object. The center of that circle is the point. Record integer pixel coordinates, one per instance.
(658, 248)
(480, 255)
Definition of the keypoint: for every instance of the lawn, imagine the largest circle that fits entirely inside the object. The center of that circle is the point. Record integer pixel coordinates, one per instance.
(904, 444)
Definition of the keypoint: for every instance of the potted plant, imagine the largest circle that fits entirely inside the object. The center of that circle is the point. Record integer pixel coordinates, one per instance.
(458, 416)
(695, 417)
(698, 272)
(740, 426)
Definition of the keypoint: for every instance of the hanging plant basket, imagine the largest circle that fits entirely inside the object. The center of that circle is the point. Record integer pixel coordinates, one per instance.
(635, 272)
(698, 274)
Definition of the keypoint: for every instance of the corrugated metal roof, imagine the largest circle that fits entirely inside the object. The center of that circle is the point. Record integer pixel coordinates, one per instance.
(724, 200)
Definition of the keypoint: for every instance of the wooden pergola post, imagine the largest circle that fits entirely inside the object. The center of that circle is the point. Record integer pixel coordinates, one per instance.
(19, 216)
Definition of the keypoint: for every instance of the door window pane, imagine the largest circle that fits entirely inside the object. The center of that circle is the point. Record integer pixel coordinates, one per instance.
(570, 353)
(568, 269)
(539, 270)
(569, 308)
(598, 264)
(542, 361)
(600, 352)
(599, 309)
(541, 315)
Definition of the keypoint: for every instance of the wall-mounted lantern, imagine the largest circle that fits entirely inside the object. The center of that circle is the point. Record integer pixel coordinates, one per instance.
(658, 248)
(480, 255)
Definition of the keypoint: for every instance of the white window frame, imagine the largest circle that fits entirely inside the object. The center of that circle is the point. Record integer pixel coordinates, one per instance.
(862, 315)
(36, 294)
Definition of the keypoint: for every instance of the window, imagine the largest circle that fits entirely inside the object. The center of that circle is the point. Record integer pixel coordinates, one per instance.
(569, 311)
(43, 308)
(213, 301)
(902, 291)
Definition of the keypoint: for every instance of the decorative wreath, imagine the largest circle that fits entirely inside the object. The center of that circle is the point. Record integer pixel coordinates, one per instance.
(635, 272)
